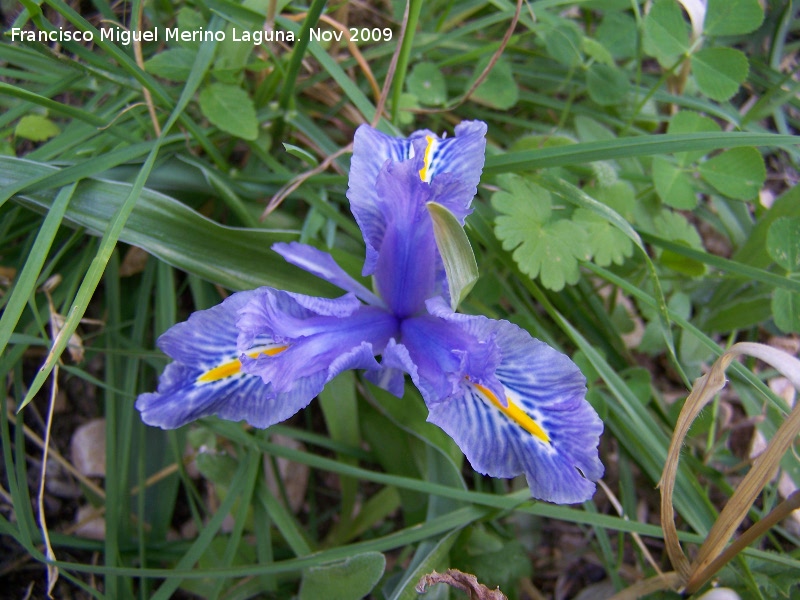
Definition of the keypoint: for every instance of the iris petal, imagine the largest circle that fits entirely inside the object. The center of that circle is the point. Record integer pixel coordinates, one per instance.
(322, 338)
(407, 259)
(261, 356)
(455, 165)
(322, 265)
(541, 425)
(284, 316)
(206, 377)
(371, 151)
(461, 157)
(395, 363)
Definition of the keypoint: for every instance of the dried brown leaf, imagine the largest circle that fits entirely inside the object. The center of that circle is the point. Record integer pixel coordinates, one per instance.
(134, 262)
(713, 554)
(7, 275)
(465, 582)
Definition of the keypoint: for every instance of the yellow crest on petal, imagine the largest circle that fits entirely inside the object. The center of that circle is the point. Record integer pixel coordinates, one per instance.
(234, 366)
(514, 413)
(425, 173)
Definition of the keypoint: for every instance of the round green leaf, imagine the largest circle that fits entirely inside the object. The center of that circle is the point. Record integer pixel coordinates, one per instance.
(673, 184)
(607, 85)
(494, 567)
(427, 83)
(597, 51)
(666, 32)
(543, 247)
(786, 310)
(619, 197)
(231, 109)
(563, 43)
(351, 579)
(189, 19)
(783, 243)
(687, 121)
(498, 90)
(408, 104)
(732, 17)
(173, 64)
(737, 173)
(719, 71)
(674, 227)
(36, 128)
(618, 34)
(607, 243)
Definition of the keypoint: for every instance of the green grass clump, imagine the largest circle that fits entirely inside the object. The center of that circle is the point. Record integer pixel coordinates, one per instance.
(637, 210)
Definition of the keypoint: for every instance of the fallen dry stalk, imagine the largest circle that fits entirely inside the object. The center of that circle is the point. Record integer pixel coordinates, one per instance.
(466, 582)
(713, 554)
(780, 512)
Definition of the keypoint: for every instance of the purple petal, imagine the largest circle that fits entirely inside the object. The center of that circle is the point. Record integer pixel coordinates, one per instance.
(207, 336)
(206, 377)
(325, 267)
(539, 424)
(445, 355)
(180, 399)
(395, 363)
(371, 150)
(322, 338)
(454, 166)
(284, 316)
(407, 259)
(287, 348)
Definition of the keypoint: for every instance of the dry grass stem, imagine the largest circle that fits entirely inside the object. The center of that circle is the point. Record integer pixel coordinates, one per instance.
(387, 82)
(52, 572)
(665, 581)
(56, 456)
(351, 45)
(139, 58)
(296, 182)
(636, 537)
(780, 512)
(712, 554)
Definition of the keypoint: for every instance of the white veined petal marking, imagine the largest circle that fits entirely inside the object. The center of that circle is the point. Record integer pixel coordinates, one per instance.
(234, 366)
(513, 413)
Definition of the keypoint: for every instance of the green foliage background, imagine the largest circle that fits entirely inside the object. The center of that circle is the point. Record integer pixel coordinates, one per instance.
(633, 149)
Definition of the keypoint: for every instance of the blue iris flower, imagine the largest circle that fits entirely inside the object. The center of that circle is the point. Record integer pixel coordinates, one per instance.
(512, 403)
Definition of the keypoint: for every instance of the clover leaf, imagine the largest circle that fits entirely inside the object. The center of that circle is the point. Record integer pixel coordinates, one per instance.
(719, 71)
(607, 243)
(673, 184)
(543, 245)
(737, 173)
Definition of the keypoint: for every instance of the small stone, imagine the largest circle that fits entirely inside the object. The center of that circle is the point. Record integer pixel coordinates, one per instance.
(88, 448)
